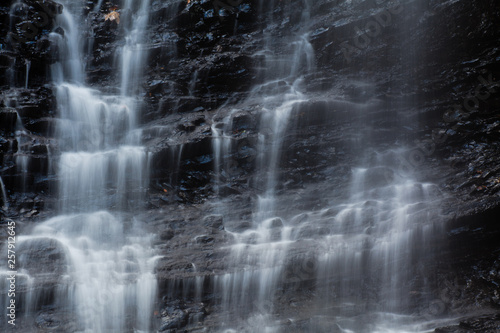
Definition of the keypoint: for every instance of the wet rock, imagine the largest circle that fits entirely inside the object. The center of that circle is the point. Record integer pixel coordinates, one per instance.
(176, 315)
(377, 177)
(204, 239)
(173, 318)
(8, 118)
(41, 256)
(167, 234)
(244, 122)
(368, 85)
(42, 126)
(55, 319)
(274, 223)
(242, 226)
(486, 324)
(214, 221)
(437, 308)
(48, 320)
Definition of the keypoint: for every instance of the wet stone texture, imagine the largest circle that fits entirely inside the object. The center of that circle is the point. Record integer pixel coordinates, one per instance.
(201, 66)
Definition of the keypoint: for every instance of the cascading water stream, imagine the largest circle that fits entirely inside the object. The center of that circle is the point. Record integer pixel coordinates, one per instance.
(360, 254)
(367, 245)
(261, 250)
(132, 54)
(28, 67)
(71, 68)
(105, 280)
(23, 146)
(374, 244)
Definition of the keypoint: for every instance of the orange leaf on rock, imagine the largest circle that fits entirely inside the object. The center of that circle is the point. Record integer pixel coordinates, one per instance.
(113, 16)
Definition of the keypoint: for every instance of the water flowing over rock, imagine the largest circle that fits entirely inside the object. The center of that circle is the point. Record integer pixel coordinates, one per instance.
(250, 165)
(102, 259)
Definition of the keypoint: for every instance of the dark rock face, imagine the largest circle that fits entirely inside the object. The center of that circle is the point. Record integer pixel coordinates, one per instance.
(27, 106)
(428, 75)
(176, 315)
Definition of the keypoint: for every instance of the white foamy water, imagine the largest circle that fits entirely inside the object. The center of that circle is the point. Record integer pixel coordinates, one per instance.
(98, 257)
(101, 258)
(263, 249)
(109, 281)
(90, 121)
(113, 178)
(362, 254)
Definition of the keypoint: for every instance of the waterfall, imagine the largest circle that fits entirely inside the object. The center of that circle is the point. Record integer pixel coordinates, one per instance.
(372, 241)
(132, 54)
(192, 84)
(70, 68)
(103, 270)
(28, 67)
(341, 247)
(263, 249)
(22, 154)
